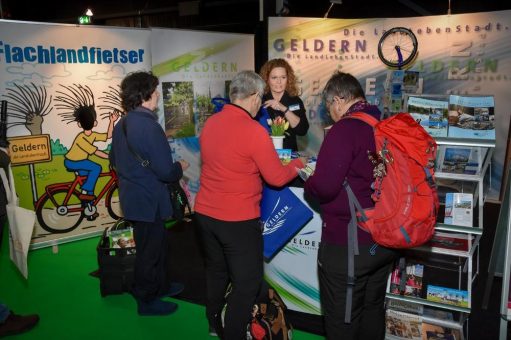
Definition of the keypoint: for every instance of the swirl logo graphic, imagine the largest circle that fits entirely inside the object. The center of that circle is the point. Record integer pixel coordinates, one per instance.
(276, 219)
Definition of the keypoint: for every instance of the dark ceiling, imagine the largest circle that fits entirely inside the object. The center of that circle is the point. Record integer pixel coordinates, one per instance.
(240, 16)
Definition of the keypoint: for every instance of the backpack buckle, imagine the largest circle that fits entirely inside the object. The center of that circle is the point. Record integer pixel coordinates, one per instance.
(351, 280)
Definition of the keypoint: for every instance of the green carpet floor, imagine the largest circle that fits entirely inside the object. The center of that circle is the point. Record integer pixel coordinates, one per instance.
(68, 302)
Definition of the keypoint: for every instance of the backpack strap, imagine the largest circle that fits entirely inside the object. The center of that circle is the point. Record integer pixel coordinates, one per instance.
(352, 247)
(365, 117)
(353, 225)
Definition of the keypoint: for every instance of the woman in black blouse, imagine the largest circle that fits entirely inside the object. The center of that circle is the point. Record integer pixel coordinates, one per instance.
(281, 99)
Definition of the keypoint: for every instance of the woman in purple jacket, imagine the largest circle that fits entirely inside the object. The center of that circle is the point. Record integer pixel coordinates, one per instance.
(344, 156)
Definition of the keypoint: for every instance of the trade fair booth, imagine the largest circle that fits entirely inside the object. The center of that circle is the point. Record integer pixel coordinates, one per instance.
(44, 67)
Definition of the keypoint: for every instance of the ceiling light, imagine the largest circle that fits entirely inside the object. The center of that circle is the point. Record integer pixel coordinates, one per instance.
(332, 3)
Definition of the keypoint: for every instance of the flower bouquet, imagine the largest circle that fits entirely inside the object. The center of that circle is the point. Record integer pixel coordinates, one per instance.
(278, 126)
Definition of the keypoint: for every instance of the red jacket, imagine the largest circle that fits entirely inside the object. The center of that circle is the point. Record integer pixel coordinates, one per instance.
(235, 152)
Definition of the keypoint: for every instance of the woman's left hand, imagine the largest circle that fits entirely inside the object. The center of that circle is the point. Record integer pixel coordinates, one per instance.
(275, 104)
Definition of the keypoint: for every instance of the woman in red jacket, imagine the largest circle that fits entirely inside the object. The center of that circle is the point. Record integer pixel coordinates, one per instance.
(236, 151)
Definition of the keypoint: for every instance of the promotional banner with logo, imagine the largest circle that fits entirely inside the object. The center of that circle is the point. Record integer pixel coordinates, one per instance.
(195, 67)
(457, 54)
(49, 70)
(293, 270)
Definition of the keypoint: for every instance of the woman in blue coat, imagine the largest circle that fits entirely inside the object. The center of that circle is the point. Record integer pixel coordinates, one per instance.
(143, 192)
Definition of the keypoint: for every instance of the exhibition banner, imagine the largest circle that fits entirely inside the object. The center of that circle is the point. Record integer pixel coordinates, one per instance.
(463, 54)
(293, 270)
(194, 68)
(47, 71)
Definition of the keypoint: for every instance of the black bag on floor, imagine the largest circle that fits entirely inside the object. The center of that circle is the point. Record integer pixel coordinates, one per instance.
(269, 320)
(269, 314)
(116, 266)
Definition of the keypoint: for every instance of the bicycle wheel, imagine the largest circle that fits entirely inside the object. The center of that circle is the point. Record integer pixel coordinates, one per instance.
(397, 47)
(113, 203)
(54, 216)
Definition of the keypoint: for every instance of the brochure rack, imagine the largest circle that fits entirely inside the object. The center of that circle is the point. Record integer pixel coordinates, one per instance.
(465, 261)
(505, 222)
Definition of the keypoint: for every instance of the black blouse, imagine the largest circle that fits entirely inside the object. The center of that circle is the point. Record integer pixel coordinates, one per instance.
(295, 105)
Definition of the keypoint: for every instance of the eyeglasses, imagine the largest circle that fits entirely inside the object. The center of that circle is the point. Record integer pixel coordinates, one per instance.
(329, 102)
(258, 94)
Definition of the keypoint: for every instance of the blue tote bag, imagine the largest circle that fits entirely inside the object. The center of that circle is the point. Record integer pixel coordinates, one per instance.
(283, 214)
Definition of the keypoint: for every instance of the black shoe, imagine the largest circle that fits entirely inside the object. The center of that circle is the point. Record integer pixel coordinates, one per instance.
(175, 288)
(92, 217)
(215, 326)
(156, 307)
(16, 324)
(212, 331)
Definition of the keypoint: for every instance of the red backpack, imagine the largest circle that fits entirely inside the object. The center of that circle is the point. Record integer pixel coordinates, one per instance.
(405, 195)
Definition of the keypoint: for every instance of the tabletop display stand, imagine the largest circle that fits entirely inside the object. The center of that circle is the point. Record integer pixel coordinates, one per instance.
(448, 267)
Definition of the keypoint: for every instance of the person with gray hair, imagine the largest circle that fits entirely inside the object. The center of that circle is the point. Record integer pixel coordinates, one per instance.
(343, 156)
(236, 151)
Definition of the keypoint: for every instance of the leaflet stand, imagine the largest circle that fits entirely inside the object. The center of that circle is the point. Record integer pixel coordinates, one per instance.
(496, 264)
(505, 222)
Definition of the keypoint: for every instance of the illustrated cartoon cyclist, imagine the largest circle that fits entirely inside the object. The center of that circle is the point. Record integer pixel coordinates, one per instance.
(77, 158)
(80, 100)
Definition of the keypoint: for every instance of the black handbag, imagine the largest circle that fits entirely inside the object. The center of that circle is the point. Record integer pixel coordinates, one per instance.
(179, 201)
(178, 197)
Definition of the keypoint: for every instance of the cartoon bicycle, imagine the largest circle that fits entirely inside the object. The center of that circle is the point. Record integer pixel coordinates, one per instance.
(60, 210)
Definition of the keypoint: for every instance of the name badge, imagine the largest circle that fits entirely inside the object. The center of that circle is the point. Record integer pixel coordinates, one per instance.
(294, 107)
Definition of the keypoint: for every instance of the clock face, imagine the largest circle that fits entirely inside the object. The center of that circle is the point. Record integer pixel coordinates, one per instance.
(397, 47)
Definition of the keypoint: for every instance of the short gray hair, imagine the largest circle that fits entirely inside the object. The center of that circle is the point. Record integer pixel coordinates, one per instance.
(343, 85)
(245, 84)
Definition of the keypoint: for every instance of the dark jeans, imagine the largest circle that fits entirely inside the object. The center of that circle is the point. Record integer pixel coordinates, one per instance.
(150, 280)
(367, 312)
(234, 254)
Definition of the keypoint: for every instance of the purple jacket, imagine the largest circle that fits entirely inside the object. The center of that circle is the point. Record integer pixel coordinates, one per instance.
(343, 155)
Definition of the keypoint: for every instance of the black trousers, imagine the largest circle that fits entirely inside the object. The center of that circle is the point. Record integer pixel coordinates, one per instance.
(371, 272)
(234, 254)
(150, 279)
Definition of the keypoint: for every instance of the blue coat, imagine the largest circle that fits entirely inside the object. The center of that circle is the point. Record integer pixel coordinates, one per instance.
(143, 192)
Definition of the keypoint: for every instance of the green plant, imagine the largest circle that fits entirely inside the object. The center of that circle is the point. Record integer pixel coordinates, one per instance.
(278, 126)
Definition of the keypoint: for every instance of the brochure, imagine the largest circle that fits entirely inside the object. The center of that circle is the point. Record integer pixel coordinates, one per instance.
(395, 281)
(433, 313)
(460, 159)
(450, 241)
(405, 306)
(411, 81)
(401, 325)
(393, 99)
(307, 170)
(458, 209)
(436, 332)
(122, 238)
(431, 114)
(284, 155)
(471, 117)
(446, 295)
(414, 275)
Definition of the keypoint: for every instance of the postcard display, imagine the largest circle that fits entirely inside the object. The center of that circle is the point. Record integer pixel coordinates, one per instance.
(430, 295)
